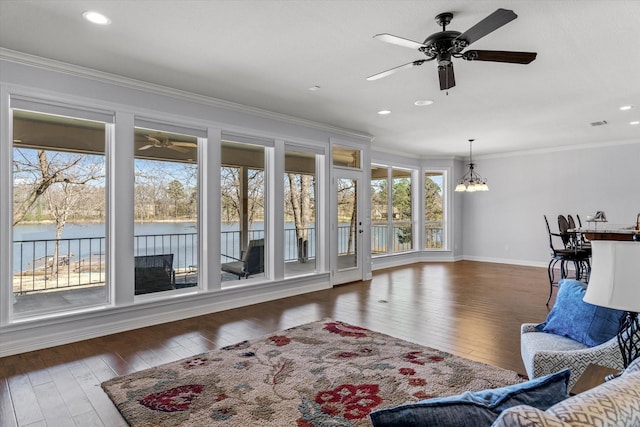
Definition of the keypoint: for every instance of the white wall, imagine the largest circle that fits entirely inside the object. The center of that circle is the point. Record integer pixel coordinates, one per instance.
(506, 224)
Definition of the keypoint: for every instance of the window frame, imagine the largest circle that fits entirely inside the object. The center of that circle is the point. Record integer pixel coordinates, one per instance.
(75, 111)
(390, 238)
(191, 268)
(445, 194)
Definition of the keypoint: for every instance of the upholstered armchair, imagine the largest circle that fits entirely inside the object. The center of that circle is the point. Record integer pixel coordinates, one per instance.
(544, 353)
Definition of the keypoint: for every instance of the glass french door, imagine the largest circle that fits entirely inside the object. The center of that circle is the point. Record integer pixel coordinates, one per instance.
(347, 227)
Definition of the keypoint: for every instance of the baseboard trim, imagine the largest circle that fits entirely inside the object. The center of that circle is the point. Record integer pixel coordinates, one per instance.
(29, 336)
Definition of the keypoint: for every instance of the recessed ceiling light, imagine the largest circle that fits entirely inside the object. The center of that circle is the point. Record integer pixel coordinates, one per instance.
(635, 122)
(384, 112)
(423, 102)
(626, 107)
(314, 88)
(96, 18)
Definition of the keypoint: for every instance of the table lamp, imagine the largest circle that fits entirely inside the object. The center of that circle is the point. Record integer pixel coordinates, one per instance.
(615, 283)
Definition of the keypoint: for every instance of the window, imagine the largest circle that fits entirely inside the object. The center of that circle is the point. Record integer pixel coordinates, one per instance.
(434, 211)
(379, 209)
(348, 224)
(299, 212)
(242, 213)
(391, 212)
(165, 211)
(59, 215)
(401, 205)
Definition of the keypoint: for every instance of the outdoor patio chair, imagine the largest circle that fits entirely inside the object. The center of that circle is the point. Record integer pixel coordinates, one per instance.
(251, 263)
(154, 273)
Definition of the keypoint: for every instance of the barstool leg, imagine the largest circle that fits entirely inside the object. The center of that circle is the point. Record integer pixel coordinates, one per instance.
(552, 264)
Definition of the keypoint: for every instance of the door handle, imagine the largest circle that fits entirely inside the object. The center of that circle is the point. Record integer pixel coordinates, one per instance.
(360, 231)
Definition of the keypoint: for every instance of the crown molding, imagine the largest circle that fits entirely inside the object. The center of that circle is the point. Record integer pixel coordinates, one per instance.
(548, 150)
(129, 83)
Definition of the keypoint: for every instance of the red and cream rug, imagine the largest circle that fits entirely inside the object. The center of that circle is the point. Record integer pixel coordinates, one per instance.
(325, 373)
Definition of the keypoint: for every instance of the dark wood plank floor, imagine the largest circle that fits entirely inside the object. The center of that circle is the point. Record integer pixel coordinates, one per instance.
(471, 309)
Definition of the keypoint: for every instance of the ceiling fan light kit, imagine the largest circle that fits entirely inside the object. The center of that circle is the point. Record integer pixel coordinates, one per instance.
(471, 181)
(447, 44)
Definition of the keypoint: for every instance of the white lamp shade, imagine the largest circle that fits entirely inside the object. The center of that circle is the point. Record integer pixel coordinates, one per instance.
(614, 281)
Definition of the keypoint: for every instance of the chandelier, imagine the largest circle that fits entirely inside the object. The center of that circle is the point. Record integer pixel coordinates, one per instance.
(472, 181)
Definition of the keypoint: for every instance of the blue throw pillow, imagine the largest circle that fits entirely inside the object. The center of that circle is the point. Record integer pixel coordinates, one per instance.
(583, 322)
(480, 408)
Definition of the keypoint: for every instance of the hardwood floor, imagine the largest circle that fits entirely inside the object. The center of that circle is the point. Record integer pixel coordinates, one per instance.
(471, 309)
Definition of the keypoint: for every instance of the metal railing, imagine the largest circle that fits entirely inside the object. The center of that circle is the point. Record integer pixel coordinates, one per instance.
(81, 261)
(50, 264)
(402, 237)
(231, 244)
(231, 247)
(184, 246)
(433, 238)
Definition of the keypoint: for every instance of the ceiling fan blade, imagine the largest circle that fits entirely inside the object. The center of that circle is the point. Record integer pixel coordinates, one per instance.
(178, 149)
(499, 56)
(390, 38)
(146, 147)
(183, 144)
(445, 74)
(489, 24)
(396, 69)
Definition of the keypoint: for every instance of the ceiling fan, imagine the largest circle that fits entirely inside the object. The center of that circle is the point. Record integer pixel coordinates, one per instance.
(165, 142)
(445, 45)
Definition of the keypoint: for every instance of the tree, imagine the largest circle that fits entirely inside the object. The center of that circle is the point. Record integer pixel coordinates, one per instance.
(37, 173)
(61, 201)
(433, 200)
(229, 192)
(177, 194)
(348, 208)
(433, 213)
(401, 198)
(300, 187)
(56, 177)
(379, 199)
(401, 205)
(232, 197)
(165, 189)
(255, 200)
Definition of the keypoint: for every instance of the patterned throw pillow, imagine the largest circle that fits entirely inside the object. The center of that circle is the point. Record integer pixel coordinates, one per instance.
(612, 404)
(634, 366)
(476, 408)
(583, 322)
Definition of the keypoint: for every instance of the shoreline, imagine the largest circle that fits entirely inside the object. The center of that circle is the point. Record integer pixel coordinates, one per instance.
(50, 221)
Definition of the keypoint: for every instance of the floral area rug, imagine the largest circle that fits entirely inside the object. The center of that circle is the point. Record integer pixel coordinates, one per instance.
(325, 373)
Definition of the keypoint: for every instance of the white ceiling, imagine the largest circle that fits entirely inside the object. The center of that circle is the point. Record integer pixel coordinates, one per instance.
(267, 53)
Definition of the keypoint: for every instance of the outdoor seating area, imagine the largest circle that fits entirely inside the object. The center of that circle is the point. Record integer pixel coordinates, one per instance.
(252, 261)
(154, 273)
